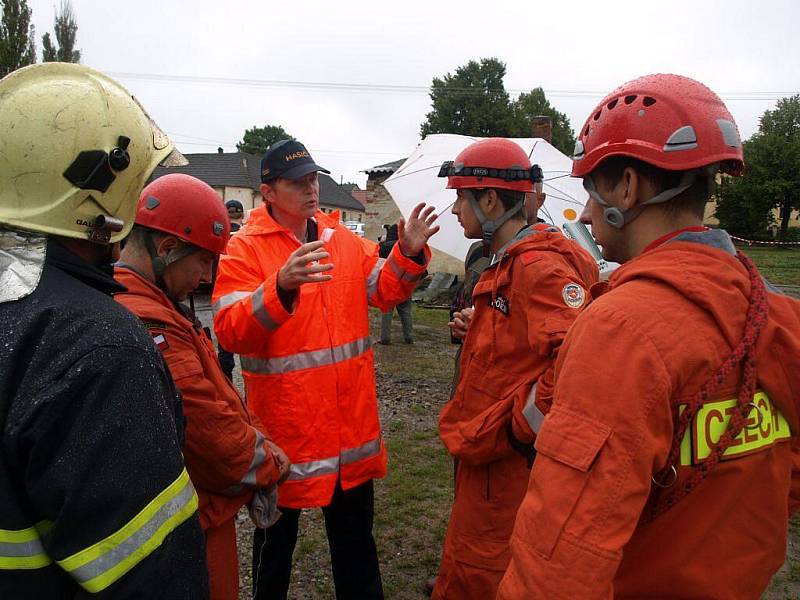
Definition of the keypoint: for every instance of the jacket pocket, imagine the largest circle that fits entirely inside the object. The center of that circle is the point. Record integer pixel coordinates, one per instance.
(568, 446)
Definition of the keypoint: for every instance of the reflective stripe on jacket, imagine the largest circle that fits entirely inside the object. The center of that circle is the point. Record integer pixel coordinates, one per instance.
(520, 318)
(309, 373)
(94, 497)
(226, 449)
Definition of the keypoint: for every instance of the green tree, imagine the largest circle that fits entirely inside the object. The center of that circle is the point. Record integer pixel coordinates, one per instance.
(17, 35)
(256, 140)
(772, 176)
(473, 101)
(66, 30)
(740, 209)
(534, 103)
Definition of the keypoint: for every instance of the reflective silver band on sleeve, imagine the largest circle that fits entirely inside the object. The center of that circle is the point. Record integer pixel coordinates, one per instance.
(374, 277)
(531, 412)
(259, 456)
(260, 311)
(401, 273)
(229, 299)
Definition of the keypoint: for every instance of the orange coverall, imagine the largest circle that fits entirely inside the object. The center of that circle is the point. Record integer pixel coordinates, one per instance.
(309, 372)
(524, 303)
(631, 360)
(226, 450)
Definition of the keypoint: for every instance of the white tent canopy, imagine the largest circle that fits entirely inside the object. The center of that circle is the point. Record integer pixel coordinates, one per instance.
(417, 181)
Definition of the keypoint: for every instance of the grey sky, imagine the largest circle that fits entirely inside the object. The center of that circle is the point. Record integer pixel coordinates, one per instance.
(746, 51)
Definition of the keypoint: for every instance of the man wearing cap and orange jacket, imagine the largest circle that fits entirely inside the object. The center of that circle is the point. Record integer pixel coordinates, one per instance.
(181, 226)
(664, 465)
(291, 298)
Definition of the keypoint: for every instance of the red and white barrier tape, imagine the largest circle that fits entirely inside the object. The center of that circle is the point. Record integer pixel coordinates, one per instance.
(752, 242)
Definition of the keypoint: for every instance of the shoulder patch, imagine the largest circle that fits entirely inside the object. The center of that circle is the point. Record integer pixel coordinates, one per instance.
(154, 325)
(160, 341)
(574, 295)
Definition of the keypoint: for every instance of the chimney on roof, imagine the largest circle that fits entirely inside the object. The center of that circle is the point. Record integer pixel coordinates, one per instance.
(220, 150)
(542, 127)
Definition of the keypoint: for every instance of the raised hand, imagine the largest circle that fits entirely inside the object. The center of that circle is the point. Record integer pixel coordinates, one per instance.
(302, 266)
(414, 233)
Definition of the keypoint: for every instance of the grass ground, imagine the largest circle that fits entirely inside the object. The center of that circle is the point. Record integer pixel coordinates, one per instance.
(780, 266)
(412, 504)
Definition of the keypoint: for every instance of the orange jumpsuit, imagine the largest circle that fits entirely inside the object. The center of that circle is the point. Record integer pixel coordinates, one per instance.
(309, 372)
(631, 360)
(524, 303)
(226, 449)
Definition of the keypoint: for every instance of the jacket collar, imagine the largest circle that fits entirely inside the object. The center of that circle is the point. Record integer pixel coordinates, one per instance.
(262, 223)
(99, 277)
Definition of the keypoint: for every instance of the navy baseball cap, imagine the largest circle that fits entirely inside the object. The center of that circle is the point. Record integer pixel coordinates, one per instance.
(288, 159)
(234, 204)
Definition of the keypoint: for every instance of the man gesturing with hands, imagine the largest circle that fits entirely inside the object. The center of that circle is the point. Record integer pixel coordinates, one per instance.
(291, 298)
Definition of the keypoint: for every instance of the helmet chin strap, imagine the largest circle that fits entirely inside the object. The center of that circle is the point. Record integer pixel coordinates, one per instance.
(618, 218)
(160, 263)
(489, 226)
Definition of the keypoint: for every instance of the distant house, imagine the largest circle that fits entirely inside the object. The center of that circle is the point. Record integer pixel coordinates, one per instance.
(237, 176)
(381, 208)
(356, 192)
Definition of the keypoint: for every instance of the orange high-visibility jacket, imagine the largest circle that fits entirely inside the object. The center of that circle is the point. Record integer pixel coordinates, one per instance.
(631, 360)
(309, 372)
(226, 449)
(523, 305)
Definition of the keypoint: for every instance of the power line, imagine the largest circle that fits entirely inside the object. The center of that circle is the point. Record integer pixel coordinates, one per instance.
(378, 88)
(209, 142)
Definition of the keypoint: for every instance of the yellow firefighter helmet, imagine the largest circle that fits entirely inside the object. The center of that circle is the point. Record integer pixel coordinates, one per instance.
(75, 152)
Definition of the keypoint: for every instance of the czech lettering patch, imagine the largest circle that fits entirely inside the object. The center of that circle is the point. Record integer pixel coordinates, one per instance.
(764, 428)
(500, 303)
(574, 295)
(160, 341)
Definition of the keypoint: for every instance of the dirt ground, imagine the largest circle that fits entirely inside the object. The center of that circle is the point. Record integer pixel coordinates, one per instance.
(412, 503)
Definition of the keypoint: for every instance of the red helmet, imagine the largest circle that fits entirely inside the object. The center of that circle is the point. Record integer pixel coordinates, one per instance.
(186, 207)
(669, 121)
(491, 163)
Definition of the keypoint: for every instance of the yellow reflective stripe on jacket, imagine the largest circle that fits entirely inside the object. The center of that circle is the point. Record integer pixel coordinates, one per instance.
(22, 548)
(767, 427)
(98, 566)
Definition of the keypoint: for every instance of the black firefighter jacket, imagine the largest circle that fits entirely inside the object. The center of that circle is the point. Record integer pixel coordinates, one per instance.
(94, 498)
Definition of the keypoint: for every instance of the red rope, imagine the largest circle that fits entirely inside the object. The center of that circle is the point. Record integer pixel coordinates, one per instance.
(744, 355)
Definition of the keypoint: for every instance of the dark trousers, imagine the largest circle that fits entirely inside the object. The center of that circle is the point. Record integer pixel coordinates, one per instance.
(354, 558)
(404, 310)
